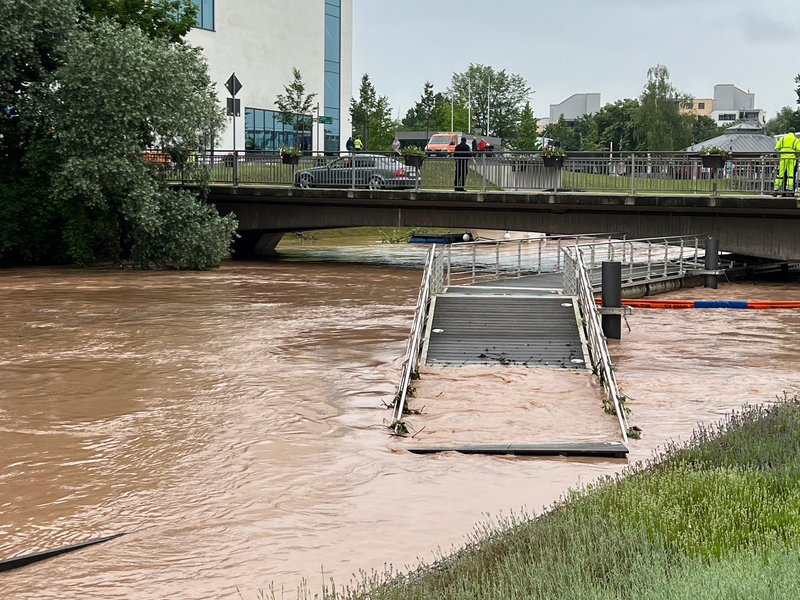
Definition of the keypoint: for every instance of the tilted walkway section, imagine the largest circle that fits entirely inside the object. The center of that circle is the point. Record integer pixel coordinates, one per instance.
(496, 327)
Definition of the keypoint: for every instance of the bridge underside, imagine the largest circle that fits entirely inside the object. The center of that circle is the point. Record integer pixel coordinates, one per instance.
(751, 225)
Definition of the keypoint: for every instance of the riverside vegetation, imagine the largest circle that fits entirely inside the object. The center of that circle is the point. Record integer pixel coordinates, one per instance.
(718, 517)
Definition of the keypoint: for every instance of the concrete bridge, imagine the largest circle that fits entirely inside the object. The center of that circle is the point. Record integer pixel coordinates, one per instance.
(754, 225)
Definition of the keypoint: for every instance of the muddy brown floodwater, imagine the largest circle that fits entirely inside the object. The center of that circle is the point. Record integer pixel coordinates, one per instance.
(232, 421)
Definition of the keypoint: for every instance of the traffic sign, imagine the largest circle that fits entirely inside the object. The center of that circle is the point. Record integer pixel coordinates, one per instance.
(234, 107)
(326, 120)
(234, 85)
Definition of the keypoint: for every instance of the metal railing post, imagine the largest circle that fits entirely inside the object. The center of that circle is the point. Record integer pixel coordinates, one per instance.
(666, 257)
(519, 259)
(541, 241)
(497, 261)
(649, 259)
(633, 172)
(235, 167)
(474, 259)
(449, 261)
(763, 174)
(694, 173)
(558, 256)
(483, 172)
(680, 264)
(353, 171)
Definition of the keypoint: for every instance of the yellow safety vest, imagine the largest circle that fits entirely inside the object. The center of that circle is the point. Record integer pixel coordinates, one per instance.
(787, 143)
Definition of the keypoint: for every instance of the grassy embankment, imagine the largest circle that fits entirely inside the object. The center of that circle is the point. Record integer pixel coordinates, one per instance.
(644, 185)
(718, 518)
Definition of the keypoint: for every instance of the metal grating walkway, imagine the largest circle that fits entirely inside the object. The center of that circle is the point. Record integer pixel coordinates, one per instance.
(513, 328)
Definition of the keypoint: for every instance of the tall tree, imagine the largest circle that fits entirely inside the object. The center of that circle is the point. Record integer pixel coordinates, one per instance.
(372, 117)
(616, 124)
(294, 105)
(495, 97)
(561, 131)
(528, 129)
(169, 19)
(659, 123)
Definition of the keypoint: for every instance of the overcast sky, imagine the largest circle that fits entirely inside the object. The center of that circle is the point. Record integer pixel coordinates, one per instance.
(564, 47)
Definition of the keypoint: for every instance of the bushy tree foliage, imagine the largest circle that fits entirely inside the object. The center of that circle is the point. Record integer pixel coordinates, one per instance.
(436, 112)
(659, 123)
(498, 96)
(528, 129)
(787, 117)
(295, 105)
(704, 128)
(372, 117)
(88, 100)
(168, 19)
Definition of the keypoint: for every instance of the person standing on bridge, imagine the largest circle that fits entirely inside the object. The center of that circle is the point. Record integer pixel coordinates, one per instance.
(359, 144)
(463, 153)
(350, 145)
(787, 147)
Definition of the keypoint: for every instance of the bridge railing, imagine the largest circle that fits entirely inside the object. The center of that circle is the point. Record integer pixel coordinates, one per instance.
(622, 172)
(575, 270)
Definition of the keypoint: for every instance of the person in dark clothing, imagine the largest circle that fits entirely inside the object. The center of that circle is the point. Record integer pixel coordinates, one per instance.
(350, 145)
(474, 145)
(463, 153)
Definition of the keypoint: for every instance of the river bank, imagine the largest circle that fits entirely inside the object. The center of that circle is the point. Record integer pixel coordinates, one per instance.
(716, 518)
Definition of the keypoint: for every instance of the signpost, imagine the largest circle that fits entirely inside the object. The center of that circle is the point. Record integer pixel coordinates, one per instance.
(326, 120)
(234, 110)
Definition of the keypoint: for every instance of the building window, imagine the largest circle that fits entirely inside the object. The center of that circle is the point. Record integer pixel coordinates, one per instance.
(701, 105)
(264, 131)
(333, 79)
(727, 117)
(205, 14)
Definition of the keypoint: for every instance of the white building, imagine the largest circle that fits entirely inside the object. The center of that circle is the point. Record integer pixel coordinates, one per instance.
(262, 41)
(731, 104)
(575, 106)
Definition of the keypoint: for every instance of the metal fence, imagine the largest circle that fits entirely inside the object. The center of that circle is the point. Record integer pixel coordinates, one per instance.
(631, 172)
(575, 269)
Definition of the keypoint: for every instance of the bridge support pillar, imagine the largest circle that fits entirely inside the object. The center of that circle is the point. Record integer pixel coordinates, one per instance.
(612, 298)
(255, 244)
(712, 262)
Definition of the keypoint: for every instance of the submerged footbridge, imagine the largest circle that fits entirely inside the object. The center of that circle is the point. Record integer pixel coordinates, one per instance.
(531, 303)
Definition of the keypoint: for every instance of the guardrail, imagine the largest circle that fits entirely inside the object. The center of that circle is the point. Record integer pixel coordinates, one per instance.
(576, 271)
(431, 285)
(466, 263)
(630, 172)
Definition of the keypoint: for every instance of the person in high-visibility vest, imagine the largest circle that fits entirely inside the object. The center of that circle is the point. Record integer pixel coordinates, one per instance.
(359, 144)
(787, 147)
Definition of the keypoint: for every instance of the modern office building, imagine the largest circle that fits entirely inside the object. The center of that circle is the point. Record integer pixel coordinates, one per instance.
(262, 41)
(729, 105)
(575, 106)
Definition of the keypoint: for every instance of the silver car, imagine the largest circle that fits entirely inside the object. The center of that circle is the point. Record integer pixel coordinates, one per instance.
(373, 171)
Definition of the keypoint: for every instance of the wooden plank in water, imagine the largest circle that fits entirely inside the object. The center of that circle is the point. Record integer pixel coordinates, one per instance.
(590, 449)
(28, 559)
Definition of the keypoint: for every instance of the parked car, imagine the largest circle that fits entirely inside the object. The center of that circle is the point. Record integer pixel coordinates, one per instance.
(373, 171)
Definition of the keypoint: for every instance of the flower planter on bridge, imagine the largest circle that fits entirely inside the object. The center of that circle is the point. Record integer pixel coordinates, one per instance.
(290, 159)
(551, 162)
(713, 161)
(414, 160)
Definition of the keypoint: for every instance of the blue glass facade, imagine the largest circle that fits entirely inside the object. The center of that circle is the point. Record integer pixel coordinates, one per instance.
(264, 131)
(333, 77)
(205, 14)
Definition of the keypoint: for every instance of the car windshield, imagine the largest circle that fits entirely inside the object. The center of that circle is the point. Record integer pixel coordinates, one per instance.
(440, 139)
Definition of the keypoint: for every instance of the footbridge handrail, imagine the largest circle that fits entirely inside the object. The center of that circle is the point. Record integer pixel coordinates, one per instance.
(431, 285)
(575, 269)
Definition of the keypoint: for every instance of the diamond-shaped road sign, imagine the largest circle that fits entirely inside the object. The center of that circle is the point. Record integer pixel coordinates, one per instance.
(234, 85)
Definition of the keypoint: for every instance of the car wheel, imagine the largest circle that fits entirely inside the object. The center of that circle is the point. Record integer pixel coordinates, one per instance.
(375, 183)
(305, 180)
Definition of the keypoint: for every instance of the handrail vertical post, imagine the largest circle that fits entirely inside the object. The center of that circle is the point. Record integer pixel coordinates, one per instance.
(497, 261)
(541, 241)
(666, 257)
(633, 172)
(449, 261)
(519, 259)
(680, 265)
(235, 167)
(483, 171)
(558, 256)
(649, 259)
(474, 260)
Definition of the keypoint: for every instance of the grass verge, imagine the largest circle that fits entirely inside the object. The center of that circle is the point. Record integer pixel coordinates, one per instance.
(718, 517)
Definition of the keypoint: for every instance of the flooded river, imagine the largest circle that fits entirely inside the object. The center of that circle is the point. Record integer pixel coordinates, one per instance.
(232, 421)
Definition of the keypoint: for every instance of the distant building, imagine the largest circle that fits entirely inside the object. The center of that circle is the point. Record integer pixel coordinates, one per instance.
(262, 41)
(729, 104)
(575, 106)
(744, 138)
